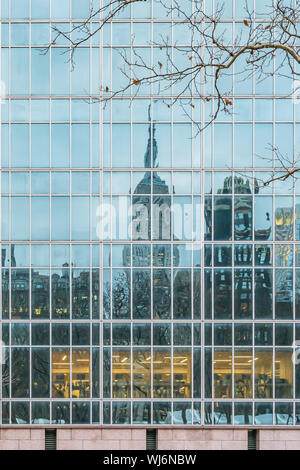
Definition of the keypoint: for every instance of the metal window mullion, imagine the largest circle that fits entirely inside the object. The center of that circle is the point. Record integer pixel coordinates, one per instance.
(294, 317)
(212, 269)
(151, 364)
(274, 371)
(292, 246)
(51, 368)
(71, 385)
(111, 336)
(1, 336)
(131, 336)
(253, 371)
(274, 270)
(202, 342)
(90, 320)
(1, 313)
(10, 365)
(100, 163)
(191, 351)
(31, 349)
(212, 362)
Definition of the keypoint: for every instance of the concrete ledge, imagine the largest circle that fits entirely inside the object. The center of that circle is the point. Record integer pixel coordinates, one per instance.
(134, 438)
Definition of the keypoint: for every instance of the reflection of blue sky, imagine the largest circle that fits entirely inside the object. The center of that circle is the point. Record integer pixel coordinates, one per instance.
(263, 213)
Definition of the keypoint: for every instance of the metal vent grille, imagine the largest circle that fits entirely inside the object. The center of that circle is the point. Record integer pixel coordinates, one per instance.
(252, 439)
(50, 439)
(151, 435)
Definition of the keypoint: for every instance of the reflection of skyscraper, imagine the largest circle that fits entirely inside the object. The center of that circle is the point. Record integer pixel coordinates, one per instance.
(153, 186)
(151, 191)
(160, 192)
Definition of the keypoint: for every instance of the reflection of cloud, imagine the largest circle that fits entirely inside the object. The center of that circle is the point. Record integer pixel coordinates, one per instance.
(296, 91)
(2, 92)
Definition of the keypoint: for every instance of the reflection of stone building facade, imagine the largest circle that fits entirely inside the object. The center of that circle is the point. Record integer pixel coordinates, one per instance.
(220, 225)
(284, 229)
(61, 293)
(20, 278)
(40, 300)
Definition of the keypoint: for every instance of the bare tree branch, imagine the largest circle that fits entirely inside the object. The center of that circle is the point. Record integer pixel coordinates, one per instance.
(201, 66)
(107, 13)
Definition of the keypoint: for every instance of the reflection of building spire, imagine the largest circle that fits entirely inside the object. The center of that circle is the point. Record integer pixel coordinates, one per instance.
(12, 256)
(159, 185)
(151, 140)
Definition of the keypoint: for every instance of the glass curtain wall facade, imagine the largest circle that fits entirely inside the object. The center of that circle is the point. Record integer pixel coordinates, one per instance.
(189, 321)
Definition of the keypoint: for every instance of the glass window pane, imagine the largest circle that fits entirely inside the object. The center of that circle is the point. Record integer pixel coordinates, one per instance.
(40, 139)
(222, 373)
(81, 373)
(141, 373)
(223, 294)
(121, 413)
(243, 373)
(20, 293)
(60, 412)
(283, 374)
(20, 71)
(263, 363)
(284, 413)
(80, 293)
(40, 293)
(263, 293)
(161, 373)
(40, 218)
(141, 413)
(121, 373)
(40, 373)
(222, 413)
(243, 413)
(40, 67)
(60, 373)
(60, 223)
(20, 369)
(263, 413)
(40, 412)
(81, 412)
(19, 145)
(263, 334)
(182, 371)
(20, 412)
(60, 293)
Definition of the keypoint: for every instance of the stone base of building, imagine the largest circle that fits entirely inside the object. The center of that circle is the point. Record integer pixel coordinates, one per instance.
(135, 439)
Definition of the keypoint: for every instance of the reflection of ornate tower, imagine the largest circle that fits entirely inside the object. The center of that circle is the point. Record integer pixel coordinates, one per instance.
(151, 184)
(161, 199)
